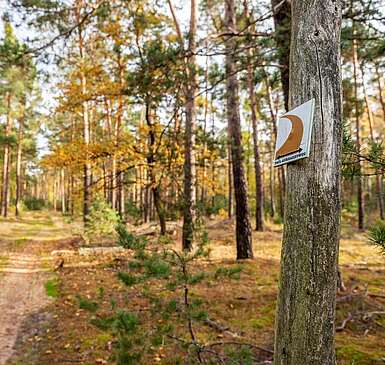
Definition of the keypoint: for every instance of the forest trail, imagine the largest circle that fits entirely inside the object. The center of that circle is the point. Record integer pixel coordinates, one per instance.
(25, 263)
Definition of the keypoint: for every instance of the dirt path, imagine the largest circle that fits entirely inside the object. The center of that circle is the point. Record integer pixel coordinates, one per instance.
(25, 263)
(22, 293)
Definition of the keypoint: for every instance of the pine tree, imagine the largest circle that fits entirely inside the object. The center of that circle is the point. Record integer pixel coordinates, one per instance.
(308, 281)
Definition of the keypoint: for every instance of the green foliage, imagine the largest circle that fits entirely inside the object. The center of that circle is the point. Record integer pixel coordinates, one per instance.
(52, 288)
(132, 210)
(350, 167)
(127, 278)
(128, 240)
(32, 203)
(213, 206)
(376, 235)
(165, 279)
(102, 220)
(376, 155)
(86, 304)
(233, 272)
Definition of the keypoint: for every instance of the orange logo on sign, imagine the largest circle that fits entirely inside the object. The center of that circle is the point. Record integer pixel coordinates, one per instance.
(293, 141)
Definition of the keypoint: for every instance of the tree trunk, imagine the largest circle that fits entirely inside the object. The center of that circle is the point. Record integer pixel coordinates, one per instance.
(63, 192)
(360, 194)
(379, 193)
(230, 180)
(281, 169)
(6, 160)
(308, 280)
(257, 160)
(19, 153)
(85, 117)
(282, 24)
(155, 185)
(243, 226)
(189, 202)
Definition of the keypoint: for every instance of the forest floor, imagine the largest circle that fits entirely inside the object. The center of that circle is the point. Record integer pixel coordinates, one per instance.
(41, 322)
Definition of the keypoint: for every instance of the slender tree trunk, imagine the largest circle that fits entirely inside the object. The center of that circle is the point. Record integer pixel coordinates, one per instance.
(243, 226)
(308, 281)
(6, 160)
(122, 199)
(85, 116)
(382, 102)
(19, 153)
(259, 225)
(230, 180)
(189, 167)
(379, 89)
(360, 193)
(271, 186)
(379, 193)
(155, 185)
(281, 169)
(282, 23)
(63, 192)
(189, 202)
(54, 192)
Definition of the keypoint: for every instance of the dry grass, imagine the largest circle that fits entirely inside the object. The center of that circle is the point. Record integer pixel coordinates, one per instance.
(246, 305)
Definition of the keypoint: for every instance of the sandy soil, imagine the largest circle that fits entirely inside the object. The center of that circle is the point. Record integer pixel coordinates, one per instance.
(22, 293)
(25, 262)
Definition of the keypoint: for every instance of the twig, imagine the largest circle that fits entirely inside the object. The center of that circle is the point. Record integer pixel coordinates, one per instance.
(344, 323)
(223, 343)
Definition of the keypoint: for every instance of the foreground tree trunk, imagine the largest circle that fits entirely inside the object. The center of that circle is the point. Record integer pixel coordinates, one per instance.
(308, 282)
(243, 227)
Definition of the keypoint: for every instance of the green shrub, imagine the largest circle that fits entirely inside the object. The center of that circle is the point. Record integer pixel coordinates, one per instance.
(376, 235)
(132, 210)
(213, 206)
(32, 203)
(165, 279)
(102, 220)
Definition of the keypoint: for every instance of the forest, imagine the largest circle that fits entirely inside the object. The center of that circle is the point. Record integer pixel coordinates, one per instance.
(157, 207)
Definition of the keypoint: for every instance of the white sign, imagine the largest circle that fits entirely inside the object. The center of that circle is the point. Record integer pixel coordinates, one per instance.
(294, 134)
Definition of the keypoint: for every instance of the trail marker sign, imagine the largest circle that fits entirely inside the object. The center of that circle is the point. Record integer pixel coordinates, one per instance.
(294, 134)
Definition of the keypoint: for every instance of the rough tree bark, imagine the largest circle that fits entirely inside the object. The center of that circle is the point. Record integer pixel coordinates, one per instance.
(85, 116)
(19, 153)
(259, 224)
(155, 185)
(308, 281)
(189, 183)
(243, 226)
(6, 160)
(282, 20)
(189, 167)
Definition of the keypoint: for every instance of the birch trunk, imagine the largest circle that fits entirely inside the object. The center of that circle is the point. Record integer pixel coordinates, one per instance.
(308, 281)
